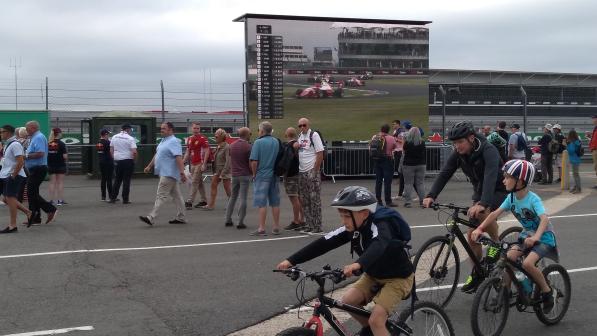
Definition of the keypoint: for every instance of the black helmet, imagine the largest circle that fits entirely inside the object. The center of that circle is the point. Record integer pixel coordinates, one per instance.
(355, 198)
(461, 130)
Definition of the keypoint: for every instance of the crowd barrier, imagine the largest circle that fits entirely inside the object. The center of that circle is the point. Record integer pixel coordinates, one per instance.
(354, 161)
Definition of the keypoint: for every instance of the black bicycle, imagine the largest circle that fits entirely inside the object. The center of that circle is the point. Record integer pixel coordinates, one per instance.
(424, 318)
(496, 294)
(437, 262)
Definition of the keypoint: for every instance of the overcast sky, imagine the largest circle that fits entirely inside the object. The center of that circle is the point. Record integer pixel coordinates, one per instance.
(124, 43)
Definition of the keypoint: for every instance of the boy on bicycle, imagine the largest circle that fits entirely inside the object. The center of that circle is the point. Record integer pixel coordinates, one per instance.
(537, 237)
(378, 235)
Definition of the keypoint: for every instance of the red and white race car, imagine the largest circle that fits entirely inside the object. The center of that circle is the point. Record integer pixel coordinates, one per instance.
(366, 75)
(320, 90)
(354, 82)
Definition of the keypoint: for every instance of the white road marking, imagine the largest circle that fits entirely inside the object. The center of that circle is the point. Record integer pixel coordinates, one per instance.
(53, 332)
(147, 247)
(507, 220)
(427, 289)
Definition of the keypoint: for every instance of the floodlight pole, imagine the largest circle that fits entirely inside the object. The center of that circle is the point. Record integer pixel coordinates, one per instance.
(443, 92)
(524, 109)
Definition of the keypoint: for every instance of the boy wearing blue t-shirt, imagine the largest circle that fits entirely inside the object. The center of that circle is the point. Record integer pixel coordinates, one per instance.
(537, 238)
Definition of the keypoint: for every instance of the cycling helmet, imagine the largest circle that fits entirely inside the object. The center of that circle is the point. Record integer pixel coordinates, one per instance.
(557, 126)
(461, 130)
(521, 170)
(355, 198)
(495, 139)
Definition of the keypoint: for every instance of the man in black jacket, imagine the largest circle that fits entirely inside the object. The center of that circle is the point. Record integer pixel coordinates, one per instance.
(480, 162)
(546, 156)
(378, 235)
(557, 134)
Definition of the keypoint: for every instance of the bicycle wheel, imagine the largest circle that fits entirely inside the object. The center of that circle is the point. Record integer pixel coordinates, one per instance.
(490, 308)
(438, 266)
(558, 279)
(429, 319)
(511, 234)
(297, 331)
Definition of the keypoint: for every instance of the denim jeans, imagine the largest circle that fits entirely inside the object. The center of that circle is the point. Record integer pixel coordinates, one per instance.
(384, 172)
(240, 186)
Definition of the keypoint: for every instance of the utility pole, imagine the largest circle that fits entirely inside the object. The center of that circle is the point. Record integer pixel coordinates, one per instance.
(524, 109)
(15, 66)
(163, 109)
(47, 94)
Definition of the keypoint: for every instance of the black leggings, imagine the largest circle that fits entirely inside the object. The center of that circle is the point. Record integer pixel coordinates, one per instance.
(106, 170)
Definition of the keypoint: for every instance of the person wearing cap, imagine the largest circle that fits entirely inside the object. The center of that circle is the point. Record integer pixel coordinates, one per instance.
(513, 143)
(123, 149)
(593, 146)
(57, 158)
(557, 134)
(36, 162)
(546, 155)
(106, 163)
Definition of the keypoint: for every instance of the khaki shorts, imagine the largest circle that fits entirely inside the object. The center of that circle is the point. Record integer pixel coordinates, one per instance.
(219, 171)
(291, 185)
(391, 293)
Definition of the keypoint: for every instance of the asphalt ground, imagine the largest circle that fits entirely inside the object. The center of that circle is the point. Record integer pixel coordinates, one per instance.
(100, 269)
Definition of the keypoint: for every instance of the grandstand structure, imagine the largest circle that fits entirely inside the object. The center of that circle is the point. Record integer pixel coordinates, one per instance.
(486, 96)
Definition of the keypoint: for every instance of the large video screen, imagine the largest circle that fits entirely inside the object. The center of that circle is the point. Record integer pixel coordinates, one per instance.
(348, 78)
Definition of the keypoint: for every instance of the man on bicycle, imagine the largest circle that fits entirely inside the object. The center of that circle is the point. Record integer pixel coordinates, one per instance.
(378, 235)
(480, 161)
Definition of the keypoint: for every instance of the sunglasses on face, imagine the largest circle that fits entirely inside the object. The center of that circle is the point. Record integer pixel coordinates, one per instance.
(302, 125)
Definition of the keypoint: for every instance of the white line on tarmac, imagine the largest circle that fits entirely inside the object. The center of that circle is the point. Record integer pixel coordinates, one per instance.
(507, 220)
(427, 289)
(147, 247)
(53, 332)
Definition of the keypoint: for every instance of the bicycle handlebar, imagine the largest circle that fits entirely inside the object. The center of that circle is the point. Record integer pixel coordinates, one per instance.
(336, 275)
(451, 206)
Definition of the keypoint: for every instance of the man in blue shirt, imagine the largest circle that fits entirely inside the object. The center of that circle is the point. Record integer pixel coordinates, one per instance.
(265, 187)
(168, 165)
(36, 162)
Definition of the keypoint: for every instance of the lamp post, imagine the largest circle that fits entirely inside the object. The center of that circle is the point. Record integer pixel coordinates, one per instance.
(524, 109)
(443, 92)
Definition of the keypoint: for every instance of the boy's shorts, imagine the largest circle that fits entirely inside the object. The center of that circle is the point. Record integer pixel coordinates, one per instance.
(542, 249)
(391, 293)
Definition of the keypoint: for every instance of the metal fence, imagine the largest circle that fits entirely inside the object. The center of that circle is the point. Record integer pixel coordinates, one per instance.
(354, 161)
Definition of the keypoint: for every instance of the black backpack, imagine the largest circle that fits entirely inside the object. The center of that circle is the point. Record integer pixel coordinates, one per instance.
(521, 142)
(377, 147)
(286, 162)
(322, 141)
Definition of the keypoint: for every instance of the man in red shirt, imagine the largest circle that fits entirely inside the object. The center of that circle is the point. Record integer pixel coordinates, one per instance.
(197, 155)
(593, 146)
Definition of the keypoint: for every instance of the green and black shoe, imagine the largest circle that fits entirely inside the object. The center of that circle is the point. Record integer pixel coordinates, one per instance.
(472, 282)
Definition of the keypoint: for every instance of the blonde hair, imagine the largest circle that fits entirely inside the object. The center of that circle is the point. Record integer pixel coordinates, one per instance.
(220, 132)
(21, 132)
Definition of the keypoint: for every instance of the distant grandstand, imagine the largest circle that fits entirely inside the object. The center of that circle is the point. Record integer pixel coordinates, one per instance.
(485, 96)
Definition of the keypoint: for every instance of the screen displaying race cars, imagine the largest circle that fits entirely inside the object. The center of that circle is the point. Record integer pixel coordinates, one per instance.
(347, 77)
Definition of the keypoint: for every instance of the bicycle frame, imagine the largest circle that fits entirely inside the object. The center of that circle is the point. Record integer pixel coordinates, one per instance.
(454, 232)
(505, 265)
(322, 308)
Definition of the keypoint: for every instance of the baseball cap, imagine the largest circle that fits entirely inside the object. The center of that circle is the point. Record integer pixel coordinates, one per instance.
(105, 131)
(557, 126)
(517, 126)
(407, 124)
(548, 126)
(126, 126)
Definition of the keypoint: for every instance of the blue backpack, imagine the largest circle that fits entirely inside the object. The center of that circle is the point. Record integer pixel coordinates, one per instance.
(399, 225)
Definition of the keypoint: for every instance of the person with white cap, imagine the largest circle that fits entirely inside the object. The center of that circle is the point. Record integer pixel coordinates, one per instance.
(546, 155)
(559, 137)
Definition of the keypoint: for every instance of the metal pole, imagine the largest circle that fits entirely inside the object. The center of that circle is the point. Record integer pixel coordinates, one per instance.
(163, 109)
(524, 109)
(47, 94)
(245, 113)
(443, 92)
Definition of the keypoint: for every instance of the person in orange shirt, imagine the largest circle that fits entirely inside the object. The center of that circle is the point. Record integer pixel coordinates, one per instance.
(197, 155)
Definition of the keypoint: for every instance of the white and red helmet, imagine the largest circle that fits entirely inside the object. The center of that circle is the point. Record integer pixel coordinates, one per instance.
(521, 170)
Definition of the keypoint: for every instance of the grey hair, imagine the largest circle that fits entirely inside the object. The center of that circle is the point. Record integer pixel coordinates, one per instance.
(33, 123)
(266, 127)
(414, 136)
